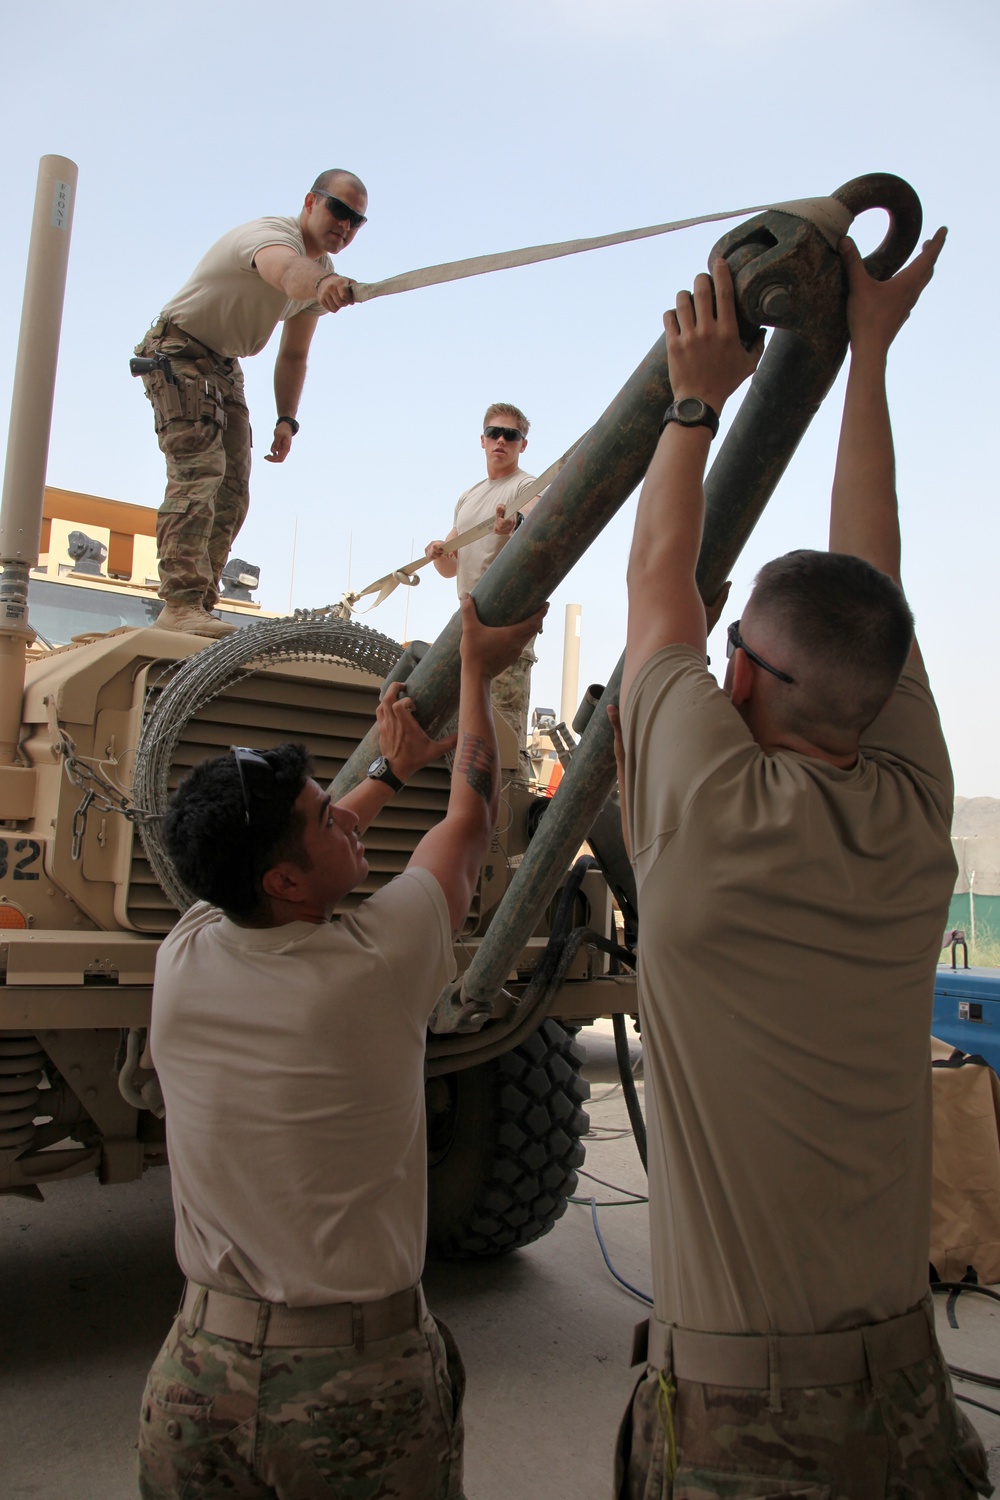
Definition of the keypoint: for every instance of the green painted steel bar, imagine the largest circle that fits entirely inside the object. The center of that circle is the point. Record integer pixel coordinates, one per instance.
(787, 275)
(796, 372)
(581, 794)
(594, 484)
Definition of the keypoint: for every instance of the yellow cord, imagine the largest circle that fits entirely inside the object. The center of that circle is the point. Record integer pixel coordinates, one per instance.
(668, 1391)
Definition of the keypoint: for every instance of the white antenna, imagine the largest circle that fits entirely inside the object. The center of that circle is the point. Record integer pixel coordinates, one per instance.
(291, 580)
(406, 614)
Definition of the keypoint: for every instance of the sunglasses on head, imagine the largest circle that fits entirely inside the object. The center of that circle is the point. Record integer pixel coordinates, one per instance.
(249, 761)
(734, 642)
(510, 434)
(342, 211)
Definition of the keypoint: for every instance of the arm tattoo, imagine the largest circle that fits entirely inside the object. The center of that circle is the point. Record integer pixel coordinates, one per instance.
(475, 762)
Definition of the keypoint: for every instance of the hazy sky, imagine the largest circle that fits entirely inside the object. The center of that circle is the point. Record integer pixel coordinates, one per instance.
(483, 128)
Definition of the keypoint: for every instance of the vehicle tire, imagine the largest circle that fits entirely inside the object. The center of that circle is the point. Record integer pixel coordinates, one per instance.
(504, 1143)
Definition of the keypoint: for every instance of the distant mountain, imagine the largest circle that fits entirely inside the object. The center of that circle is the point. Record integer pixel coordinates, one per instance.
(976, 817)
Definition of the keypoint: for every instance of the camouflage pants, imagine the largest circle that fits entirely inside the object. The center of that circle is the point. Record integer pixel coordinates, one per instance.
(207, 450)
(897, 1436)
(511, 692)
(303, 1424)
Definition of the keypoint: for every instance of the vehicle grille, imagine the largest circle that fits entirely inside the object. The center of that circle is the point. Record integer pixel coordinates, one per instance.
(314, 706)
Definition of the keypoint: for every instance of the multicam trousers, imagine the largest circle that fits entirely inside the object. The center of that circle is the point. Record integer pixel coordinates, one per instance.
(894, 1436)
(511, 692)
(203, 428)
(303, 1424)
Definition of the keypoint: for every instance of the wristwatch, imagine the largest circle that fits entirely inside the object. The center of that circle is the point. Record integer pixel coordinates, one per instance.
(690, 411)
(291, 422)
(380, 770)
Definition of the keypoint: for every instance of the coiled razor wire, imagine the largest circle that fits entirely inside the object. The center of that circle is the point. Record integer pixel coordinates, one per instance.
(313, 635)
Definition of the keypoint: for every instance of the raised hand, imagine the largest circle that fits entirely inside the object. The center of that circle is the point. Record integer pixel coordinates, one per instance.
(490, 649)
(877, 310)
(402, 741)
(704, 352)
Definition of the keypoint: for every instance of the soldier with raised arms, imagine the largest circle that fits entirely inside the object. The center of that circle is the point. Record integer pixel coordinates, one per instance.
(790, 835)
(289, 1043)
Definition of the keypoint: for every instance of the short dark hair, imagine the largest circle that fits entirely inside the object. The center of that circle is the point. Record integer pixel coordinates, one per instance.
(327, 181)
(217, 856)
(848, 629)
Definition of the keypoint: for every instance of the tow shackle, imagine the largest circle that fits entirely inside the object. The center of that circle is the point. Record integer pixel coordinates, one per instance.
(788, 275)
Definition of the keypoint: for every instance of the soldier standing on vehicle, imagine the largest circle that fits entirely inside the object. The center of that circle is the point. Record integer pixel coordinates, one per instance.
(289, 1044)
(790, 835)
(270, 271)
(504, 439)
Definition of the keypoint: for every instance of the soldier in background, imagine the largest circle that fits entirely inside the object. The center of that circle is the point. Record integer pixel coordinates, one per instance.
(303, 1361)
(504, 439)
(272, 270)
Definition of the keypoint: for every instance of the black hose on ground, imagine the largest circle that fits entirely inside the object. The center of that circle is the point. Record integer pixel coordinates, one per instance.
(629, 1089)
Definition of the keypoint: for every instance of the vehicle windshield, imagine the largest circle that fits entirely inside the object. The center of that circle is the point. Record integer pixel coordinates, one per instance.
(59, 611)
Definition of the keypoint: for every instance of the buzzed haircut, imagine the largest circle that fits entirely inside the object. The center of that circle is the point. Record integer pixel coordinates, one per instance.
(327, 181)
(504, 409)
(848, 627)
(217, 855)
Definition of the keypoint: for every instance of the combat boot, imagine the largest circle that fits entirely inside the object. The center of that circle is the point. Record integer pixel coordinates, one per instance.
(191, 620)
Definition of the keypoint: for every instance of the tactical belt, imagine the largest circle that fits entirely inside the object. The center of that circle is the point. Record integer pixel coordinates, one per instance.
(164, 326)
(760, 1361)
(251, 1320)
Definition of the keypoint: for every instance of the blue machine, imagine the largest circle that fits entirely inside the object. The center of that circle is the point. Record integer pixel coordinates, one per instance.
(967, 1011)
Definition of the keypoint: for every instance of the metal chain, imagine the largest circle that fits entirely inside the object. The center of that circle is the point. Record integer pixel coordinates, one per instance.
(97, 791)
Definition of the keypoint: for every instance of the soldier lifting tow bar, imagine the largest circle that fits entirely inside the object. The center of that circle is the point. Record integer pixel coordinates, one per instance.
(541, 953)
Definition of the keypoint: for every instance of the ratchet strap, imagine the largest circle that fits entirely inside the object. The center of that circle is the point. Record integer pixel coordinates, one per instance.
(408, 574)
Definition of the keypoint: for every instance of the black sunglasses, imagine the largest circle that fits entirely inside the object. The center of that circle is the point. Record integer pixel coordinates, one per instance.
(246, 760)
(511, 434)
(734, 640)
(342, 210)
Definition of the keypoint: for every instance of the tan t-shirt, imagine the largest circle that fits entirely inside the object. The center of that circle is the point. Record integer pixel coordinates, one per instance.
(292, 1065)
(790, 918)
(480, 504)
(226, 304)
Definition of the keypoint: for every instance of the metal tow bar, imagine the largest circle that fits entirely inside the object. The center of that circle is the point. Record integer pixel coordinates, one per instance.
(787, 276)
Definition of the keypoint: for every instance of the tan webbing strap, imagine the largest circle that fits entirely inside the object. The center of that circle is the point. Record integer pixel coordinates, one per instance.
(406, 574)
(827, 214)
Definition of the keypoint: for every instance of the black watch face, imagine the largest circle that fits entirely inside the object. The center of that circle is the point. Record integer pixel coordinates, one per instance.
(690, 409)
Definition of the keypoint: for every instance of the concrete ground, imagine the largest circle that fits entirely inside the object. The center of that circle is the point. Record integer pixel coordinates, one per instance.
(88, 1286)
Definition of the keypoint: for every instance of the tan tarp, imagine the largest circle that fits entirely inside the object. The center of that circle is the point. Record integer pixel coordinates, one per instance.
(965, 1206)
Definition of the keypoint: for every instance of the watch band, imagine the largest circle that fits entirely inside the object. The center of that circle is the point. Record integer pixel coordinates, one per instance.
(380, 770)
(291, 422)
(701, 414)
